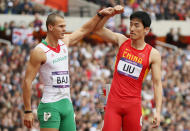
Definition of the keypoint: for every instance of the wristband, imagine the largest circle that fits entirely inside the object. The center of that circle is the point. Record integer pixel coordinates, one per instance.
(27, 112)
(99, 15)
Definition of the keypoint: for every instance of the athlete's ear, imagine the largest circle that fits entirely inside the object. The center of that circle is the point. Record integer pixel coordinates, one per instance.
(50, 27)
(147, 29)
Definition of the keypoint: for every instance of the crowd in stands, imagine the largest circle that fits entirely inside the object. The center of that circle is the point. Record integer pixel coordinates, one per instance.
(91, 67)
(158, 9)
(24, 7)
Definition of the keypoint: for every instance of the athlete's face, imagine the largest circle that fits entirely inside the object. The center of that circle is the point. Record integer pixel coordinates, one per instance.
(137, 30)
(58, 29)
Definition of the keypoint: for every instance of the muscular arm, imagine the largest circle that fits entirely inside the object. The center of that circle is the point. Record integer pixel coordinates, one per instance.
(156, 75)
(37, 56)
(107, 34)
(111, 36)
(81, 32)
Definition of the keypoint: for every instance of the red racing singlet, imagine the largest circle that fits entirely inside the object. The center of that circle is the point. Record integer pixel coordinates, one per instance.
(131, 68)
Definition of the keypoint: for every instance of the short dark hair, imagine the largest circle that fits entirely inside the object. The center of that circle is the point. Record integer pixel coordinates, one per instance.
(51, 19)
(143, 16)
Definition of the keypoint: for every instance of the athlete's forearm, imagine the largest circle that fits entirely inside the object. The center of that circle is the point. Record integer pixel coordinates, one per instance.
(158, 97)
(114, 11)
(84, 30)
(26, 87)
(99, 19)
(101, 23)
(91, 24)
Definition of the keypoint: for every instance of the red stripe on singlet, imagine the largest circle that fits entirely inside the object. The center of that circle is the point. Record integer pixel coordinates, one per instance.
(47, 51)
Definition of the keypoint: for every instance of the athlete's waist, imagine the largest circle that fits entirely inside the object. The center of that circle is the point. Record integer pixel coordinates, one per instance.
(113, 98)
(51, 89)
(55, 95)
(125, 89)
(49, 100)
(118, 78)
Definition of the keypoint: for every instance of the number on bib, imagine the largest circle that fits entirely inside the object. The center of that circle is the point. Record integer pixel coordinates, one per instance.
(61, 79)
(129, 68)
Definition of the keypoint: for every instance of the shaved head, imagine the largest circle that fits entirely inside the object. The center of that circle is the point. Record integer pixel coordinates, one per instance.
(51, 19)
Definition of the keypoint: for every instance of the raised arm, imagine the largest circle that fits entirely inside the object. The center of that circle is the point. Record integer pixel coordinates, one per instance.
(156, 75)
(86, 28)
(107, 34)
(37, 56)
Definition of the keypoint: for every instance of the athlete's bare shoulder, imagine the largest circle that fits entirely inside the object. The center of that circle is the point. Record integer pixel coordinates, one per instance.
(155, 55)
(155, 52)
(121, 39)
(37, 55)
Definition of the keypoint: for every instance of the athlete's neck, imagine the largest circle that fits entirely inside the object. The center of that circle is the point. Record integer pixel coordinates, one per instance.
(51, 40)
(138, 44)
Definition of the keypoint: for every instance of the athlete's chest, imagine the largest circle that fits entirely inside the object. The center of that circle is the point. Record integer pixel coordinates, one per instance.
(131, 63)
(57, 59)
(134, 56)
(57, 67)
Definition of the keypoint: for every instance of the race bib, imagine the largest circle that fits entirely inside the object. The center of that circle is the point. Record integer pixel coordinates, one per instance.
(129, 68)
(61, 79)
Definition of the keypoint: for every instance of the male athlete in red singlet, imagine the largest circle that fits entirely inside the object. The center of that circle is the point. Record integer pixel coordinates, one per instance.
(134, 59)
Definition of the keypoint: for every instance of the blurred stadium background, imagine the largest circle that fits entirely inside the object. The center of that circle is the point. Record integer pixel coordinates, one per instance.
(22, 26)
